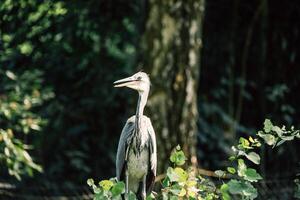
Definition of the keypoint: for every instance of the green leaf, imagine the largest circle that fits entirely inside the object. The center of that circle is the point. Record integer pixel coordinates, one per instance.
(175, 189)
(10, 75)
(231, 170)
(268, 138)
(277, 130)
(171, 175)
(106, 184)
(182, 175)
(251, 175)
(99, 196)
(231, 158)
(178, 157)
(7, 38)
(165, 196)
(235, 186)
(118, 189)
(224, 191)
(251, 139)
(254, 157)
(241, 167)
(182, 192)
(287, 138)
(173, 198)
(210, 196)
(26, 48)
(177, 174)
(245, 189)
(244, 143)
(173, 157)
(268, 126)
(150, 197)
(191, 183)
(166, 182)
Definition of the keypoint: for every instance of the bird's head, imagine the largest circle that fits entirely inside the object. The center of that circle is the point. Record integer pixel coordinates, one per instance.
(139, 82)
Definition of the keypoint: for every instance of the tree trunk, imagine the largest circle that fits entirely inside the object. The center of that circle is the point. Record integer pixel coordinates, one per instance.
(171, 45)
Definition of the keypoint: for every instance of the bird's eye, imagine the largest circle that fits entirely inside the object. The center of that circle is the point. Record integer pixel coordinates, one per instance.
(139, 78)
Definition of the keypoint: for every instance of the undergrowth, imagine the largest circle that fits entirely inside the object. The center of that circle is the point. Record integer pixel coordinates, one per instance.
(185, 183)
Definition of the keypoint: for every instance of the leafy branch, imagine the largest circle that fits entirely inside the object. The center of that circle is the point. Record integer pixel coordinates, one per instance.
(20, 98)
(275, 136)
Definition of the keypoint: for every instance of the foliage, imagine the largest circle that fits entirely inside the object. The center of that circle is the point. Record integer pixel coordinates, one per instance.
(109, 189)
(81, 48)
(255, 64)
(275, 136)
(185, 184)
(242, 184)
(20, 97)
(181, 183)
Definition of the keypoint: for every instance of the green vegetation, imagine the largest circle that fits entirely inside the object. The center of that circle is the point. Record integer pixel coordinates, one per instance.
(275, 136)
(22, 96)
(186, 183)
(217, 69)
(70, 48)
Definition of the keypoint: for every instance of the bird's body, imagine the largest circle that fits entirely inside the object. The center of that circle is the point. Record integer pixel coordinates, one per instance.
(138, 165)
(136, 157)
(139, 151)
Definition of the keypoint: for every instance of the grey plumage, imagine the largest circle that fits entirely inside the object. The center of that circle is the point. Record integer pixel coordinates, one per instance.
(136, 156)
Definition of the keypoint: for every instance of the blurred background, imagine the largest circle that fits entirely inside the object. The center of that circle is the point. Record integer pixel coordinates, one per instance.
(218, 69)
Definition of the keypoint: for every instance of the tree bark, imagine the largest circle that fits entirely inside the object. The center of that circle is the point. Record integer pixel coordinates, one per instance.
(171, 44)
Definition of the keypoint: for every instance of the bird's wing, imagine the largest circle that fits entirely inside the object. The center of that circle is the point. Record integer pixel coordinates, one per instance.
(122, 147)
(153, 157)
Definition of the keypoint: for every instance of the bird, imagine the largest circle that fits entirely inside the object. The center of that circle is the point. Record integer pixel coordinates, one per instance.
(136, 159)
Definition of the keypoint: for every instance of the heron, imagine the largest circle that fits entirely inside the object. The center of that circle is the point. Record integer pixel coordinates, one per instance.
(136, 159)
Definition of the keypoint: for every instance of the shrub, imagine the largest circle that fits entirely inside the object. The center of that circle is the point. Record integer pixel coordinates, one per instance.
(187, 183)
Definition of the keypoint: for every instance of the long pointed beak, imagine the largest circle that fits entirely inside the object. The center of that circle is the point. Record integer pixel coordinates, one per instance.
(125, 82)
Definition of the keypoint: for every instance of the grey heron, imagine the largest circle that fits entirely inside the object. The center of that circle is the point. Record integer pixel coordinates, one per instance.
(136, 156)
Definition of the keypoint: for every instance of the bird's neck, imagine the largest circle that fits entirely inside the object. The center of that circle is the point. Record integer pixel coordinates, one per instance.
(140, 109)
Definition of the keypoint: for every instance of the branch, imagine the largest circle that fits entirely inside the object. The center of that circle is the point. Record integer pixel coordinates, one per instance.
(203, 172)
